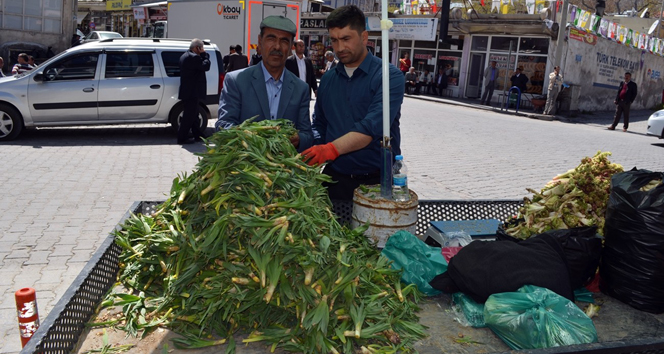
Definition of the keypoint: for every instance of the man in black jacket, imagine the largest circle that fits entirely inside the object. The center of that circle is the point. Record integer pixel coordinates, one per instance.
(302, 67)
(237, 60)
(624, 98)
(193, 87)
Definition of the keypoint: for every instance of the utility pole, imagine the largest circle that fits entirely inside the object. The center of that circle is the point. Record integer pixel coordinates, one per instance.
(562, 31)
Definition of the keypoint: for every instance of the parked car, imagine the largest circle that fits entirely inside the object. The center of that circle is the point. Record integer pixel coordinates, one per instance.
(94, 36)
(656, 124)
(113, 81)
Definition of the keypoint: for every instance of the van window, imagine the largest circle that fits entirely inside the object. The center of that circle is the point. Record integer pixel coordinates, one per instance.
(129, 64)
(172, 62)
(76, 67)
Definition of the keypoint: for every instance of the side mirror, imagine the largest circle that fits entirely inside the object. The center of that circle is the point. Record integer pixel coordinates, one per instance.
(39, 77)
(50, 74)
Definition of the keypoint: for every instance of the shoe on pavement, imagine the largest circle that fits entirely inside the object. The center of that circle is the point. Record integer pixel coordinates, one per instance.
(624, 129)
(611, 128)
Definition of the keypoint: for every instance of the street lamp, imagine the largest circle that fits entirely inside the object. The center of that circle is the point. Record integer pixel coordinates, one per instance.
(600, 6)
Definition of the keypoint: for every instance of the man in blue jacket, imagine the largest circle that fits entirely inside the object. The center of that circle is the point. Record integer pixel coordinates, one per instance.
(348, 116)
(267, 90)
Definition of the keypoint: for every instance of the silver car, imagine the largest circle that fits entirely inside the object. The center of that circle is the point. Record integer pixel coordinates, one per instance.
(99, 35)
(113, 81)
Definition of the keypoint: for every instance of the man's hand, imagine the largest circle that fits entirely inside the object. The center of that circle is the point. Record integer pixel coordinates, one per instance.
(295, 140)
(319, 154)
(615, 102)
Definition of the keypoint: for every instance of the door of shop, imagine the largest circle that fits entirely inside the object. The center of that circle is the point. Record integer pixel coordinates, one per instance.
(474, 86)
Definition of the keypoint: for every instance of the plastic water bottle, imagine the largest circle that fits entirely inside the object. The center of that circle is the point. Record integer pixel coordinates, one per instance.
(400, 180)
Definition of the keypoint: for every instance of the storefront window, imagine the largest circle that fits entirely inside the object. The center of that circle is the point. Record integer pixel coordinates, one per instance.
(424, 60)
(480, 43)
(534, 68)
(503, 43)
(453, 44)
(505, 65)
(534, 45)
(450, 63)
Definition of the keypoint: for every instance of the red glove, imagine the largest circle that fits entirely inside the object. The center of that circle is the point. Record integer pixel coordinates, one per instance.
(319, 154)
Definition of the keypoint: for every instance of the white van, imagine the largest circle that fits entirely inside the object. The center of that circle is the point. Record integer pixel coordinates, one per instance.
(112, 81)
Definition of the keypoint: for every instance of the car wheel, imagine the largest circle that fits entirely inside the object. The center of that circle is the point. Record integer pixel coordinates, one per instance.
(176, 115)
(11, 122)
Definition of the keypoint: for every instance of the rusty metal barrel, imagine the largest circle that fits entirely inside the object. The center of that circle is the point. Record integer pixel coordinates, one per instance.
(385, 217)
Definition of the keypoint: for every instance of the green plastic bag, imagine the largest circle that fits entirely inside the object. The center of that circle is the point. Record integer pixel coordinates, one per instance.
(535, 317)
(472, 311)
(419, 261)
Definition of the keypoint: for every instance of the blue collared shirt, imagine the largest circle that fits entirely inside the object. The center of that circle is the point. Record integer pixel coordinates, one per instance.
(355, 104)
(273, 90)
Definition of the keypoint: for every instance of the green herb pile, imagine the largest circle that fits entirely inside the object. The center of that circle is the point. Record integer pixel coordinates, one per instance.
(248, 243)
(575, 198)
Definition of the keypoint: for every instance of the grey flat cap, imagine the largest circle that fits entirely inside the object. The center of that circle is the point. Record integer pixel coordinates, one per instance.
(280, 23)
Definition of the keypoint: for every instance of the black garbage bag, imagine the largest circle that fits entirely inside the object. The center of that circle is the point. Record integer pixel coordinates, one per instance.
(582, 247)
(632, 265)
(481, 268)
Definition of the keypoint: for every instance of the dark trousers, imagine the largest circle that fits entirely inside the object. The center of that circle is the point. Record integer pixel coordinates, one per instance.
(409, 85)
(488, 92)
(343, 186)
(622, 108)
(189, 120)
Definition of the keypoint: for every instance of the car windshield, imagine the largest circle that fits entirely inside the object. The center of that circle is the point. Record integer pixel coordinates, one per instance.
(105, 35)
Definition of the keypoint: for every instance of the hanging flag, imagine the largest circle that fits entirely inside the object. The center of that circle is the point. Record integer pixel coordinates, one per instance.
(620, 34)
(572, 14)
(604, 28)
(558, 3)
(585, 16)
(482, 2)
(504, 6)
(635, 39)
(495, 4)
(613, 30)
(530, 5)
(630, 38)
(594, 24)
(577, 17)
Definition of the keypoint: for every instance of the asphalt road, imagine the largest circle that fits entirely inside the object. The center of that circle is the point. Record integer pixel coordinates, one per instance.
(66, 188)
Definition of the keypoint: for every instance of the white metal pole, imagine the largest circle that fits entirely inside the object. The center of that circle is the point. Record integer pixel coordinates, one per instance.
(386, 171)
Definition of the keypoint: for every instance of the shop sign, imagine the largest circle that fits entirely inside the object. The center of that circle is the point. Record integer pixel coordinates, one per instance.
(313, 23)
(228, 12)
(420, 29)
(582, 36)
(140, 13)
(422, 56)
(653, 74)
(118, 5)
(447, 57)
(610, 68)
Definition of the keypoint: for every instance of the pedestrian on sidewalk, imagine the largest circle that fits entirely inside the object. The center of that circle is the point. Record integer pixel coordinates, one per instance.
(490, 76)
(624, 98)
(404, 63)
(411, 80)
(555, 82)
(193, 87)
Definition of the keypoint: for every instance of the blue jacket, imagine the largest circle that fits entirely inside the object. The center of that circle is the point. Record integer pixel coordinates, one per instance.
(244, 96)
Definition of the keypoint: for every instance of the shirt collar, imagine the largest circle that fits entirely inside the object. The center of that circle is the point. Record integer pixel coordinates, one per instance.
(364, 66)
(267, 75)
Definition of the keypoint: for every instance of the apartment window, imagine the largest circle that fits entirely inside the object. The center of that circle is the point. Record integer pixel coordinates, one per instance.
(31, 15)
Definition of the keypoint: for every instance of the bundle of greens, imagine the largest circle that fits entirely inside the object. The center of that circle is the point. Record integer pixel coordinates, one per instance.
(575, 198)
(248, 244)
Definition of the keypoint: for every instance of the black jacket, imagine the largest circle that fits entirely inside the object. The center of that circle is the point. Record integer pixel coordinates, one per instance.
(255, 59)
(193, 83)
(291, 65)
(236, 62)
(520, 82)
(630, 96)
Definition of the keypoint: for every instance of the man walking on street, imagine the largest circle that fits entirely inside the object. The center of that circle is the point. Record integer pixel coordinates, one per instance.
(348, 119)
(231, 50)
(624, 98)
(302, 67)
(193, 87)
(490, 76)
